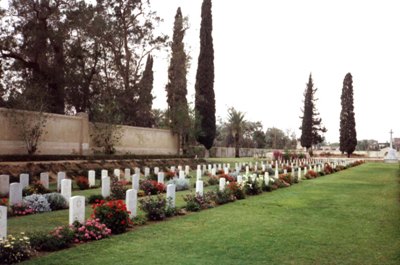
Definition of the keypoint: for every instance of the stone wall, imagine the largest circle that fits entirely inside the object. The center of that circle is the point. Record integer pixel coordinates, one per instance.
(71, 135)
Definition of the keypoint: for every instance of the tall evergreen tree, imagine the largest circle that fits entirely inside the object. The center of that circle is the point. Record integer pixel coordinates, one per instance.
(178, 112)
(145, 102)
(205, 97)
(311, 127)
(348, 134)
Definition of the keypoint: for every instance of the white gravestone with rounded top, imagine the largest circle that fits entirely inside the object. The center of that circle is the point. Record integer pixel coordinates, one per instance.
(4, 184)
(77, 209)
(131, 202)
(24, 180)
(15, 193)
(3, 222)
(92, 178)
(44, 179)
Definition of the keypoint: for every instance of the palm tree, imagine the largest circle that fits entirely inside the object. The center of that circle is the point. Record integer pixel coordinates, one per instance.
(236, 125)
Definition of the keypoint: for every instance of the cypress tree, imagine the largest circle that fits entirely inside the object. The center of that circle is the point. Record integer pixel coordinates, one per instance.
(311, 124)
(178, 113)
(348, 134)
(205, 98)
(145, 101)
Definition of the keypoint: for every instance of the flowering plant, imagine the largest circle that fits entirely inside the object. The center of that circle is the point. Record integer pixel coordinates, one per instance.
(154, 207)
(3, 202)
(21, 209)
(311, 174)
(227, 177)
(152, 187)
(196, 202)
(15, 249)
(35, 188)
(91, 230)
(82, 182)
(169, 175)
(237, 190)
(118, 189)
(113, 214)
(328, 169)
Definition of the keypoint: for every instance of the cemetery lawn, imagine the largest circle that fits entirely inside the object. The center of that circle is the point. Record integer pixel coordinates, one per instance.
(350, 217)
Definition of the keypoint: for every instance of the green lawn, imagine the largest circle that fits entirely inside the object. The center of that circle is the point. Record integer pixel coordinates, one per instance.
(351, 217)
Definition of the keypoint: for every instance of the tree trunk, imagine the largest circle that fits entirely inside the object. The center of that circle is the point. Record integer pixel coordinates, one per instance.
(237, 146)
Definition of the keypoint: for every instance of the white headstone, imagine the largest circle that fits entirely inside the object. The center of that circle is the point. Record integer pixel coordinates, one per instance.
(105, 187)
(171, 194)
(66, 189)
(60, 177)
(253, 177)
(77, 209)
(240, 179)
(299, 174)
(173, 169)
(92, 178)
(117, 173)
(198, 167)
(156, 170)
(222, 182)
(213, 172)
(199, 187)
(131, 202)
(276, 171)
(209, 167)
(226, 170)
(247, 170)
(127, 174)
(3, 222)
(266, 178)
(285, 171)
(15, 193)
(104, 173)
(187, 170)
(44, 179)
(160, 177)
(146, 172)
(198, 174)
(181, 174)
(180, 168)
(24, 180)
(135, 182)
(204, 169)
(4, 184)
(137, 171)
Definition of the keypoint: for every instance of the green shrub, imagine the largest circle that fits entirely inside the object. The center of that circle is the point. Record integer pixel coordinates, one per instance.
(154, 207)
(56, 201)
(252, 187)
(224, 196)
(118, 189)
(213, 180)
(196, 202)
(113, 214)
(15, 249)
(60, 238)
(237, 190)
(82, 182)
(95, 198)
(35, 188)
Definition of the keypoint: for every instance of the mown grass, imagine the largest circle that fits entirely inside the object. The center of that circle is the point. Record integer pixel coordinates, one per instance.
(351, 217)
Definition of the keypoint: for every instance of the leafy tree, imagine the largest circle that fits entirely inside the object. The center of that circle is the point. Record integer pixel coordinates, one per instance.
(348, 134)
(145, 103)
(311, 127)
(259, 139)
(276, 138)
(205, 97)
(236, 125)
(178, 112)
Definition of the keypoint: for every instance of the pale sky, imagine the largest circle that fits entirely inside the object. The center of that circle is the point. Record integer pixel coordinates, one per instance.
(265, 51)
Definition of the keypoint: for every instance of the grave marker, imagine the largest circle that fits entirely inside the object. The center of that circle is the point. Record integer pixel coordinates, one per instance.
(92, 178)
(77, 209)
(171, 195)
(3, 222)
(24, 180)
(44, 179)
(105, 187)
(15, 193)
(131, 202)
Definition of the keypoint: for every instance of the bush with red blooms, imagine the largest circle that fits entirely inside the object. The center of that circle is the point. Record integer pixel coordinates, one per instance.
(152, 187)
(113, 214)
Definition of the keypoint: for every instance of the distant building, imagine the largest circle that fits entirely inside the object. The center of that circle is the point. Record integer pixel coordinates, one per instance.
(396, 143)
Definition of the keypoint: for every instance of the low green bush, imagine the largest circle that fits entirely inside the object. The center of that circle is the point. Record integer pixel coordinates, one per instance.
(15, 249)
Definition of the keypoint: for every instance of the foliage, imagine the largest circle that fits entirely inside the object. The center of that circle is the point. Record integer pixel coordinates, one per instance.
(328, 169)
(277, 139)
(113, 214)
(288, 178)
(237, 190)
(236, 125)
(196, 202)
(106, 136)
(168, 175)
(31, 127)
(277, 155)
(118, 189)
(91, 230)
(178, 112)
(154, 207)
(213, 180)
(311, 124)
(60, 238)
(15, 249)
(152, 187)
(180, 184)
(252, 187)
(348, 134)
(82, 182)
(95, 198)
(224, 196)
(311, 174)
(3, 202)
(38, 203)
(35, 188)
(21, 209)
(56, 201)
(144, 114)
(227, 177)
(205, 124)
